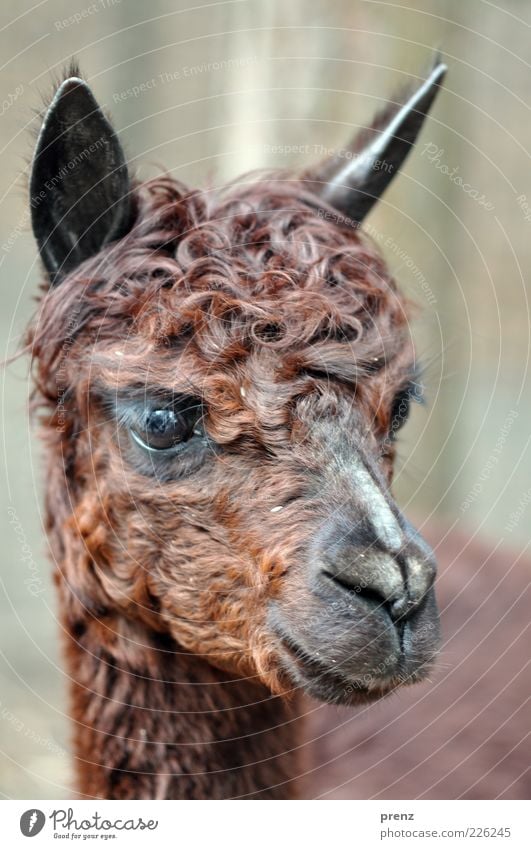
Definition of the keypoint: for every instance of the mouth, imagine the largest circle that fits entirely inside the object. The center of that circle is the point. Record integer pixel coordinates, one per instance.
(326, 684)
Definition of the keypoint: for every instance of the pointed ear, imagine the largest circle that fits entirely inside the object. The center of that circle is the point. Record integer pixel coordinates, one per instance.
(79, 186)
(353, 183)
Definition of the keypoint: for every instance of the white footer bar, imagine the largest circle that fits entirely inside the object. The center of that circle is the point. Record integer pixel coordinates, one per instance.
(266, 825)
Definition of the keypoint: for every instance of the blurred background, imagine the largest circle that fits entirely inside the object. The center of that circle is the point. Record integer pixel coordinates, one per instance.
(207, 91)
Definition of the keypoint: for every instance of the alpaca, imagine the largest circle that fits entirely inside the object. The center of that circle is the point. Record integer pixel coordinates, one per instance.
(222, 376)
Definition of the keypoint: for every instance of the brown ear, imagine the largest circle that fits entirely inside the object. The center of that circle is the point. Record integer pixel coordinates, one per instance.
(353, 183)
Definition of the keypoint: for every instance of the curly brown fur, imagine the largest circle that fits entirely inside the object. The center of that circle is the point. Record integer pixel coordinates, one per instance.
(275, 317)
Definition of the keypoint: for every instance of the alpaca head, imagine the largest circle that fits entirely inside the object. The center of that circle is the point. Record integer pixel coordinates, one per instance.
(224, 374)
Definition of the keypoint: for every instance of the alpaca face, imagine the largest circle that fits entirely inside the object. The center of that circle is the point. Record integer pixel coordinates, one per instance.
(226, 374)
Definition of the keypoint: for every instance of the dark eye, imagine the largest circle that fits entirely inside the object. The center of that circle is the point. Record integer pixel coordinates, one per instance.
(165, 427)
(401, 405)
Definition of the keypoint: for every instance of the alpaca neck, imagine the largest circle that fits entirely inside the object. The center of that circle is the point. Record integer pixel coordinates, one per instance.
(157, 723)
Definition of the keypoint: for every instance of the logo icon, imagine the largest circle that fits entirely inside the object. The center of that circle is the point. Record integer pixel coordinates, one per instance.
(31, 822)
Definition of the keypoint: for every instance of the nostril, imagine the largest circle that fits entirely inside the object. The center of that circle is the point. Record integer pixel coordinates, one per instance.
(398, 606)
(365, 592)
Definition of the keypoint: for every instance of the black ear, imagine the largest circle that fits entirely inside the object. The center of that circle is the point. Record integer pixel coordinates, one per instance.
(353, 183)
(79, 187)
